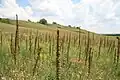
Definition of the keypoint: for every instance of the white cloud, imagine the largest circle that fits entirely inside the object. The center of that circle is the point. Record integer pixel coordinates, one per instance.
(54, 9)
(10, 8)
(101, 16)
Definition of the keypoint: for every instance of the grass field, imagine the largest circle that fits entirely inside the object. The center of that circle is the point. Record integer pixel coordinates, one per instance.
(45, 52)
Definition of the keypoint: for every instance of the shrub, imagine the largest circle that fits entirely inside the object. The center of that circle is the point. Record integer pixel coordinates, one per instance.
(3, 20)
(43, 21)
(78, 27)
(29, 20)
(69, 26)
(54, 23)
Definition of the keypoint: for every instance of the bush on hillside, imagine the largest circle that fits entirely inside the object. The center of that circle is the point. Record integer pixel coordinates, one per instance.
(29, 20)
(69, 26)
(78, 27)
(43, 21)
(54, 23)
(5, 20)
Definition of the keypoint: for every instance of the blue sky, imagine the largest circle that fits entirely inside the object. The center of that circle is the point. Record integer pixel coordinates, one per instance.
(75, 1)
(101, 16)
(23, 3)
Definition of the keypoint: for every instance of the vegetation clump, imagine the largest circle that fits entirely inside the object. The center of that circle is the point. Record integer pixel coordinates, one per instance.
(69, 26)
(43, 21)
(5, 20)
(54, 23)
(29, 20)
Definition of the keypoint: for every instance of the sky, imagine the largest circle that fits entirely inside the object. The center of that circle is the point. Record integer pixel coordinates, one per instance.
(100, 16)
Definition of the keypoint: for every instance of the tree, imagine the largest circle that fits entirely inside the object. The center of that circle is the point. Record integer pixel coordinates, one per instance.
(54, 23)
(78, 27)
(29, 20)
(69, 26)
(43, 21)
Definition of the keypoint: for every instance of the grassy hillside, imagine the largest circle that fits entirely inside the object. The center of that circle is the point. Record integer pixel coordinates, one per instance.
(68, 54)
(44, 28)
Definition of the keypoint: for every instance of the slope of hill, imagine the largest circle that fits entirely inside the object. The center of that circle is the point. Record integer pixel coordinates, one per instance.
(36, 26)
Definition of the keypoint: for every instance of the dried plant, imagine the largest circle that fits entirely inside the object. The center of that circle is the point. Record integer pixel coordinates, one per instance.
(79, 46)
(26, 43)
(11, 45)
(35, 44)
(104, 42)
(118, 51)
(36, 61)
(100, 45)
(89, 61)
(93, 38)
(30, 42)
(115, 53)
(57, 58)
(50, 43)
(68, 47)
(1, 39)
(87, 48)
(16, 39)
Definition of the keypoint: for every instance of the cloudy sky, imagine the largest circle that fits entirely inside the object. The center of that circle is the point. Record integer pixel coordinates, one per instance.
(101, 16)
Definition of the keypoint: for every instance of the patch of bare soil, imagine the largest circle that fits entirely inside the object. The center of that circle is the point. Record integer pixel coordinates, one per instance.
(76, 60)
